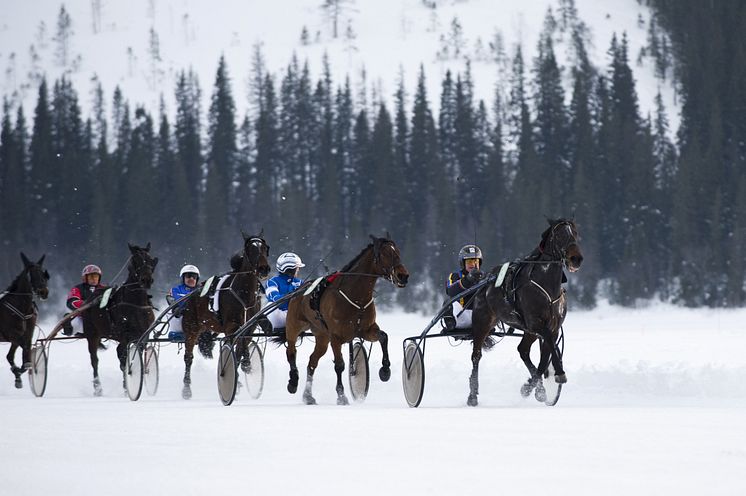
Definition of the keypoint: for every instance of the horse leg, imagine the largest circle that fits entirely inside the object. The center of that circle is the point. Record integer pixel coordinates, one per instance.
(122, 355)
(374, 333)
(541, 393)
(17, 371)
(524, 350)
(322, 343)
(291, 353)
(476, 356)
(559, 371)
(93, 352)
(339, 367)
(189, 342)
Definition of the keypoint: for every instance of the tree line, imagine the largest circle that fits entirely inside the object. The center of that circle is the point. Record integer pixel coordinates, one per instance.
(318, 169)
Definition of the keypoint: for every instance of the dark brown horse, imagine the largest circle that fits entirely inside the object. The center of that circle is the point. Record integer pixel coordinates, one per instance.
(345, 311)
(531, 299)
(18, 312)
(128, 314)
(238, 301)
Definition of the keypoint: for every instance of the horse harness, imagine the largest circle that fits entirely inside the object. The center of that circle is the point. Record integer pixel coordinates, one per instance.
(533, 263)
(18, 313)
(360, 308)
(246, 307)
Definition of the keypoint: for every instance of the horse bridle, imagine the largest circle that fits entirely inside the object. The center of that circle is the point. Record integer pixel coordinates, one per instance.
(562, 252)
(388, 273)
(259, 243)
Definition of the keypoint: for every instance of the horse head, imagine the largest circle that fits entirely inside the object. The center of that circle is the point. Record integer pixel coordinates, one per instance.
(560, 240)
(387, 259)
(37, 275)
(142, 265)
(256, 254)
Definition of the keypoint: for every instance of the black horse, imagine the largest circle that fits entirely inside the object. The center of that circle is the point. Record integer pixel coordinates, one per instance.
(532, 299)
(126, 316)
(18, 312)
(238, 301)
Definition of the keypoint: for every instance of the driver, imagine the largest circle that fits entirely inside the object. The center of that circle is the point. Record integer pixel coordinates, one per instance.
(288, 265)
(470, 259)
(79, 294)
(189, 278)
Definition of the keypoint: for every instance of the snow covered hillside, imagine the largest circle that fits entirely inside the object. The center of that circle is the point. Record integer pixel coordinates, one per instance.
(654, 405)
(141, 45)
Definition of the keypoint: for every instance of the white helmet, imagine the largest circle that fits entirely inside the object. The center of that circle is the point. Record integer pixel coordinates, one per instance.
(187, 269)
(289, 260)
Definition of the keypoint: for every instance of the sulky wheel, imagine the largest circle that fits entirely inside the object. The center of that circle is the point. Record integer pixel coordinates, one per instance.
(413, 374)
(254, 370)
(150, 370)
(38, 371)
(133, 373)
(359, 371)
(227, 374)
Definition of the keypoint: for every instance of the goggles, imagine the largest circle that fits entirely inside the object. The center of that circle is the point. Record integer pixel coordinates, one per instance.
(190, 275)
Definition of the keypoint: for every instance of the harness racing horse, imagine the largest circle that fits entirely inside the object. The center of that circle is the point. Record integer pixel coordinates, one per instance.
(18, 313)
(126, 316)
(345, 310)
(238, 301)
(532, 300)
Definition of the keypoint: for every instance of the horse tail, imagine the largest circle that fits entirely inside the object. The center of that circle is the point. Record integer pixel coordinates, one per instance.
(278, 339)
(206, 343)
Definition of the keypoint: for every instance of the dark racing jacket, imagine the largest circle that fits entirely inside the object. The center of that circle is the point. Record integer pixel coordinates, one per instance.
(458, 282)
(80, 293)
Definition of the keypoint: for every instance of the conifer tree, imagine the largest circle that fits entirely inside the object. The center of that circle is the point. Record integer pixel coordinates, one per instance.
(219, 199)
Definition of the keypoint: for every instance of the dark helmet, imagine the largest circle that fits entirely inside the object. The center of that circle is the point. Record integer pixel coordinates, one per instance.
(469, 251)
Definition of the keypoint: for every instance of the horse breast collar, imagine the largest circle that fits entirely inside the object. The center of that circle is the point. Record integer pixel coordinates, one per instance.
(17, 312)
(360, 308)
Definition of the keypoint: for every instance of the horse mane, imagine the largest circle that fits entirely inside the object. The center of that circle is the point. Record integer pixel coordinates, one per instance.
(355, 260)
(14, 285)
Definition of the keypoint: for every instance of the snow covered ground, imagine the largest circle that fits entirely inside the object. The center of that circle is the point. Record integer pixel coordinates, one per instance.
(655, 404)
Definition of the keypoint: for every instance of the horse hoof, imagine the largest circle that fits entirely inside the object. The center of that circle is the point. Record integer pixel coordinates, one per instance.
(560, 378)
(19, 384)
(526, 389)
(186, 393)
(308, 399)
(540, 394)
(384, 374)
(292, 387)
(98, 392)
(342, 400)
(472, 400)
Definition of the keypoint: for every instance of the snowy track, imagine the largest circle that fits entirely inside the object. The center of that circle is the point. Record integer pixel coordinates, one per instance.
(654, 404)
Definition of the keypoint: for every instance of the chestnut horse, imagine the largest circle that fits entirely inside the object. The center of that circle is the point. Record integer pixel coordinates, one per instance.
(345, 310)
(18, 313)
(238, 301)
(127, 315)
(532, 299)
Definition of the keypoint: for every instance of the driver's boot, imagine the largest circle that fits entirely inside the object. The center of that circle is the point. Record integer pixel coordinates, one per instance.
(449, 321)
